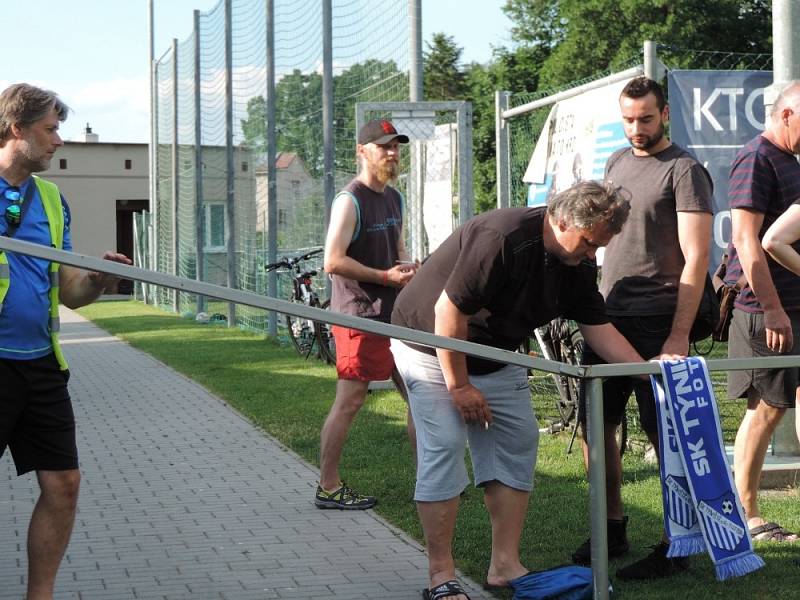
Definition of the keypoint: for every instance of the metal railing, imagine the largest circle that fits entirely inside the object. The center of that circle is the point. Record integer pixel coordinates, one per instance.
(593, 373)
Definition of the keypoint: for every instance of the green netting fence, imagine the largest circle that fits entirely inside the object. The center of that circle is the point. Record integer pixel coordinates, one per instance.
(221, 69)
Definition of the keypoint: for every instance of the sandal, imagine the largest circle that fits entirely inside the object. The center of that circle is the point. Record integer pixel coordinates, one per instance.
(490, 587)
(444, 590)
(772, 532)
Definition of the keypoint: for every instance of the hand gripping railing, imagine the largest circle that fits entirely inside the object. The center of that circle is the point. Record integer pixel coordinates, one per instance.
(593, 373)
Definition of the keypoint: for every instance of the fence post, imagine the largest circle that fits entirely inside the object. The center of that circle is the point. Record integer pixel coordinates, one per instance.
(149, 291)
(230, 197)
(466, 200)
(597, 487)
(415, 91)
(272, 184)
(176, 301)
(650, 60)
(415, 94)
(503, 151)
(327, 107)
(199, 213)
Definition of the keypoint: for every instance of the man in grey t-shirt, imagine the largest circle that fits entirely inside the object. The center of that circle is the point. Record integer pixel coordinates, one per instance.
(652, 279)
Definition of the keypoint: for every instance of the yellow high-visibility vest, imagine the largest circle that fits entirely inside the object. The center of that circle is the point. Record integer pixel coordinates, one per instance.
(51, 200)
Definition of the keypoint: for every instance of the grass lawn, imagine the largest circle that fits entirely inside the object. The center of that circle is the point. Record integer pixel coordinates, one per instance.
(290, 397)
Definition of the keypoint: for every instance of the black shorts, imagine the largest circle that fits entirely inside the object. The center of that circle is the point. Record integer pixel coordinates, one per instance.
(647, 335)
(36, 419)
(748, 339)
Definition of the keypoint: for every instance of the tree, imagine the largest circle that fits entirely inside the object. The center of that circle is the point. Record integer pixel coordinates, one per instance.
(442, 75)
(298, 119)
(589, 36)
(369, 81)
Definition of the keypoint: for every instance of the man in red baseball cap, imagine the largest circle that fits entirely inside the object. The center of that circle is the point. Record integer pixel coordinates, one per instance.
(368, 264)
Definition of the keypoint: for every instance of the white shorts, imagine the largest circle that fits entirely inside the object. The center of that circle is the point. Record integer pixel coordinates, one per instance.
(506, 452)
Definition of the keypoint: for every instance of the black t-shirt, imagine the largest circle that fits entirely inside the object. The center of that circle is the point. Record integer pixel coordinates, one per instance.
(375, 244)
(495, 269)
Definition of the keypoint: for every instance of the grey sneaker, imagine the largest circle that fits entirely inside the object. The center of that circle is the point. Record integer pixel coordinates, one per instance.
(344, 499)
(655, 565)
(617, 543)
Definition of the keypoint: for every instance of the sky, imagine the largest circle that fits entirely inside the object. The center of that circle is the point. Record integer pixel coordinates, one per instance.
(94, 53)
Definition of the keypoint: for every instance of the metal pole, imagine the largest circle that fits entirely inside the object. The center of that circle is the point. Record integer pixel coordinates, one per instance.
(503, 149)
(149, 293)
(272, 171)
(230, 197)
(785, 40)
(199, 213)
(651, 67)
(176, 301)
(415, 92)
(415, 190)
(597, 487)
(466, 201)
(328, 142)
(572, 92)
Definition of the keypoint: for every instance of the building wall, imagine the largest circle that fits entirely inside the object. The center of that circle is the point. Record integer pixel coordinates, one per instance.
(94, 179)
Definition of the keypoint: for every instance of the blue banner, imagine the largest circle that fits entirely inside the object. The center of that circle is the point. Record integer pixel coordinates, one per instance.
(712, 115)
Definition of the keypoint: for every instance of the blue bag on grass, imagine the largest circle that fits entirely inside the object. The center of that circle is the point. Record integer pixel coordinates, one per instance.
(560, 583)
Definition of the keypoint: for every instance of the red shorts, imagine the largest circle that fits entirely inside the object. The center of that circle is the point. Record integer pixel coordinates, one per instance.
(362, 356)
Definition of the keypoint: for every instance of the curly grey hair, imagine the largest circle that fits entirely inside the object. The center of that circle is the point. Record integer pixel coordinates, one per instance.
(589, 204)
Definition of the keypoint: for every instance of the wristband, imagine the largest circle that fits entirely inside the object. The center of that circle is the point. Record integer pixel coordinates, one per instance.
(386, 278)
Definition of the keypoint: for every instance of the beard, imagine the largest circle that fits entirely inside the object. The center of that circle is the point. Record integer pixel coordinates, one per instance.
(649, 141)
(36, 162)
(387, 171)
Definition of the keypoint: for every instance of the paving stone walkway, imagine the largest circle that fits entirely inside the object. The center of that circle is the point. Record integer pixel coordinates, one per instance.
(184, 498)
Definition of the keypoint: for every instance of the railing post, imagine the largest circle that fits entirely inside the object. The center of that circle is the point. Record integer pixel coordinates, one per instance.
(597, 487)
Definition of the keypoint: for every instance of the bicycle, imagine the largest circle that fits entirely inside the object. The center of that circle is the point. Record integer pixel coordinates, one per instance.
(561, 341)
(306, 335)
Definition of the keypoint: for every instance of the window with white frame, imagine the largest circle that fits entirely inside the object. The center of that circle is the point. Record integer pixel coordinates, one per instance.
(215, 227)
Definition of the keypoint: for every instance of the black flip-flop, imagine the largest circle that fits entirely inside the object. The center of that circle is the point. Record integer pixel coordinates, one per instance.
(772, 532)
(443, 590)
(497, 588)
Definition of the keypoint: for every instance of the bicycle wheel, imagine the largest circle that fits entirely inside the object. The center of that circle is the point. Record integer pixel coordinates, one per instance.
(562, 345)
(301, 334)
(327, 344)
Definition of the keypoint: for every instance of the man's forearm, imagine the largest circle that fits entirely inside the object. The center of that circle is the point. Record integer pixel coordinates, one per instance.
(79, 290)
(756, 270)
(690, 294)
(352, 269)
(609, 344)
(451, 322)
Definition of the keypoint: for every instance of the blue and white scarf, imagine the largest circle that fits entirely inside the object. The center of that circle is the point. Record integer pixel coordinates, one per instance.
(702, 510)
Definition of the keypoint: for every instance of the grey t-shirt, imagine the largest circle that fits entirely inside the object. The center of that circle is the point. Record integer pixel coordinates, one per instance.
(643, 263)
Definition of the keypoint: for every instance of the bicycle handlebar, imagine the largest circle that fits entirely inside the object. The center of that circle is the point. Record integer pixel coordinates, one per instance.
(290, 263)
(310, 254)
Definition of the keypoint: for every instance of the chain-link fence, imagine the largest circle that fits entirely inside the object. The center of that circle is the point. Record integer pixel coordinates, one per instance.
(525, 129)
(210, 210)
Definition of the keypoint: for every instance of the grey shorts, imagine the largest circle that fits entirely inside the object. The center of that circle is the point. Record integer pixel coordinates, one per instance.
(506, 452)
(748, 339)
